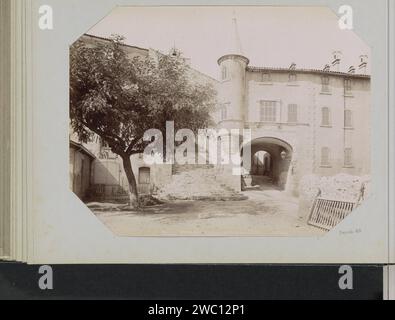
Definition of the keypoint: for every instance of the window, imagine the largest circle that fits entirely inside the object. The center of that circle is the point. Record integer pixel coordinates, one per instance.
(224, 113)
(347, 119)
(325, 154)
(224, 73)
(348, 157)
(292, 113)
(266, 77)
(268, 111)
(292, 77)
(348, 85)
(325, 84)
(325, 117)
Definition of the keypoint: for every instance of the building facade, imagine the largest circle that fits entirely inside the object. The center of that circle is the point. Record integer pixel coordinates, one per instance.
(302, 121)
(308, 121)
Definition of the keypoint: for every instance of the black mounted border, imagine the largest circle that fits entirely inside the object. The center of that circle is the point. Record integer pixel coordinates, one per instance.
(192, 282)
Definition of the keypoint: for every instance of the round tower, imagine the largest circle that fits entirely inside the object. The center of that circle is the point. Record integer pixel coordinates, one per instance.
(231, 90)
(232, 115)
(232, 86)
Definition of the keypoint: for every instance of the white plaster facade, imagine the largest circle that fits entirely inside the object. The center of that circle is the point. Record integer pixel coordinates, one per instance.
(324, 116)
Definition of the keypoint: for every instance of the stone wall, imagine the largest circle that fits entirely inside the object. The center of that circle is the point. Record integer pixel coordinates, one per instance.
(109, 179)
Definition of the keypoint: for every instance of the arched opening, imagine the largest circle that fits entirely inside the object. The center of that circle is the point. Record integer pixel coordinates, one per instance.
(261, 168)
(270, 164)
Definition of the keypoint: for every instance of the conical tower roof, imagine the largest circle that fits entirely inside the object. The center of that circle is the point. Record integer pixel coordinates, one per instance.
(234, 47)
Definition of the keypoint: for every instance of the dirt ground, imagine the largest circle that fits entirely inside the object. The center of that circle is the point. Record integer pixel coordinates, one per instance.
(265, 213)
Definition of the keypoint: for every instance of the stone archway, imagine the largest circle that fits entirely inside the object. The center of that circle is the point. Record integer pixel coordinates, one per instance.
(280, 154)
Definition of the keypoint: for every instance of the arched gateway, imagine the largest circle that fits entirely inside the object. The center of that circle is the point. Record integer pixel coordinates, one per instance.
(270, 163)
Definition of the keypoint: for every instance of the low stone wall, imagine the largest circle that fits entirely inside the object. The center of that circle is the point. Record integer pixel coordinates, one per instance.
(101, 192)
(199, 184)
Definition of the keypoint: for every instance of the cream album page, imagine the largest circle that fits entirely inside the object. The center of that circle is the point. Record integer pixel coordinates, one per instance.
(208, 133)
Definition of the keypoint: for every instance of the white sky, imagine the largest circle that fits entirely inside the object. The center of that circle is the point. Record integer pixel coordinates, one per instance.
(270, 36)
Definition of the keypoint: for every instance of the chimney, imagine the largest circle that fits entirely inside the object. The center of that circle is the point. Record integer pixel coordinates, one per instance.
(174, 52)
(363, 62)
(326, 68)
(292, 66)
(337, 55)
(351, 70)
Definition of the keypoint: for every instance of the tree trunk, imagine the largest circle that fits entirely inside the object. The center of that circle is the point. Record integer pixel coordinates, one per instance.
(133, 194)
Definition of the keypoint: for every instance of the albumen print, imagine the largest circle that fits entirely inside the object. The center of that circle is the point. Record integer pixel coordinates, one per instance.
(220, 121)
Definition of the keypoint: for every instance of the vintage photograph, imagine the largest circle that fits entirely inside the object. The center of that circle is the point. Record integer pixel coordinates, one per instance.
(220, 121)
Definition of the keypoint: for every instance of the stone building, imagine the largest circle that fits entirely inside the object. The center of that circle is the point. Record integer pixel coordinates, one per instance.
(303, 121)
(308, 121)
(107, 180)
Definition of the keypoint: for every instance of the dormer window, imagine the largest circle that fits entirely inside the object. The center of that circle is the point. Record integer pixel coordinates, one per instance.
(292, 77)
(266, 77)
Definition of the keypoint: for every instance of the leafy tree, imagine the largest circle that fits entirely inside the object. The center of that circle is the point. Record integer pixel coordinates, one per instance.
(118, 98)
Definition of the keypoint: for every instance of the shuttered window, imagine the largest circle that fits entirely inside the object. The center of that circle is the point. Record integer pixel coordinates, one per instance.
(325, 117)
(348, 157)
(292, 113)
(268, 111)
(325, 156)
(347, 119)
(325, 84)
(348, 85)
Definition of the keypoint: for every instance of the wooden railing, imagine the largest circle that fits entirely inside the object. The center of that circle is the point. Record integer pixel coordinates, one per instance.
(328, 213)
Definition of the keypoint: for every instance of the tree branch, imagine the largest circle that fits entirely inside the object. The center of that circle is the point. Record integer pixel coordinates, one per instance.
(106, 136)
(129, 150)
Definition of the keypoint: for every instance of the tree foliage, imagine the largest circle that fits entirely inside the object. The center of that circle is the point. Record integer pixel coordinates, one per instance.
(119, 98)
